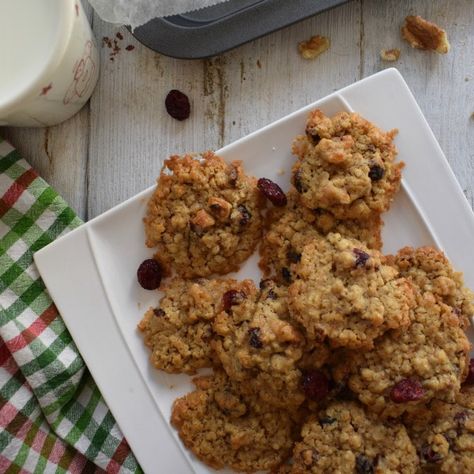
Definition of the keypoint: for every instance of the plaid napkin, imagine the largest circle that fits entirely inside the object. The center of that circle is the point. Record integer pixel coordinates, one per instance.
(52, 415)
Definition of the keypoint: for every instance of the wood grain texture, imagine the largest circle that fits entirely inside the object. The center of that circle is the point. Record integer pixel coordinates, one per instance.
(442, 84)
(115, 149)
(231, 95)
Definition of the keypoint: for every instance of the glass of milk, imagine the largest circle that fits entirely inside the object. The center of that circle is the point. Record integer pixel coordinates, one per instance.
(49, 63)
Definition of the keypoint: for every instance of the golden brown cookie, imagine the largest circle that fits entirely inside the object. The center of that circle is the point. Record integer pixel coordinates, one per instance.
(262, 352)
(429, 359)
(179, 331)
(288, 229)
(204, 216)
(344, 439)
(347, 294)
(443, 434)
(346, 166)
(223, 428)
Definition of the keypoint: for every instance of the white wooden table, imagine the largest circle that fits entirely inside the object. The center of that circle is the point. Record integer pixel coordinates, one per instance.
(113, 148)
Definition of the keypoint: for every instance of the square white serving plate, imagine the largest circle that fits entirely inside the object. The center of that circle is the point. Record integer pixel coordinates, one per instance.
(91, 272)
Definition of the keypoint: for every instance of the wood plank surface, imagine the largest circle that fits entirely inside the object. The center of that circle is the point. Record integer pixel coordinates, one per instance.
(443, 85)
(114, 148)
(231, 95)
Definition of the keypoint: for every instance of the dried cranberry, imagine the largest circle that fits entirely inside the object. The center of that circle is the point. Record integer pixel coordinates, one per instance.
(407, 390)
(315, 138)
(272, 192)
(297, 181)
(245, 215)
(149, 274)
(376, 173)
(364, 465)
(293, 257)
(285, 273)
(470, 374)
(326, 420)
(460, 417)
(254, 338)
(231, 298)
(177, 105)
(450, 439)
(315, 385)
(272, 295)
(361, 257)
(159, 313)
(429, 454)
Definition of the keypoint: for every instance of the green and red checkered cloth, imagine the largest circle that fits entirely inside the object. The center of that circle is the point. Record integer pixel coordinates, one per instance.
(52, 415)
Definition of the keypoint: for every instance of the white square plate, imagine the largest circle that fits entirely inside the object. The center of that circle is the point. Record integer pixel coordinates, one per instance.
(91, 272)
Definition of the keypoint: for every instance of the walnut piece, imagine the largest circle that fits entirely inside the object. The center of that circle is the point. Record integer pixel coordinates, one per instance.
(423, 34)
(313, 47)
(202, 220)
(220, 207)
(390, 54)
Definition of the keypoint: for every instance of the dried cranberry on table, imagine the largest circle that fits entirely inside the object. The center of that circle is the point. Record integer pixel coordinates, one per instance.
(149, 274)
(272, 192)
(177, 105)
(407, 390)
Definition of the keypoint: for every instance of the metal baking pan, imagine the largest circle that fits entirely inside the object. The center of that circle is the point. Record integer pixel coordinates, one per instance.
(213, 30)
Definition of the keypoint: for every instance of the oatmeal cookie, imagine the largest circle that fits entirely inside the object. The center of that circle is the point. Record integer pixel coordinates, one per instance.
(443, 434)
(432, 273)
(346, 166)
(288, 229)
(204, 216)
(347, 293)
(262, 351)
(344, 439)
(179, 331)
(223, 428)
(429, 359)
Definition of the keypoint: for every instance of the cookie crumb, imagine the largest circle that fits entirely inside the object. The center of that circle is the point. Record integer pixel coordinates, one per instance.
(281, 172)
(424, 34)
(259, 64)
(390, 54)
(313, 47)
